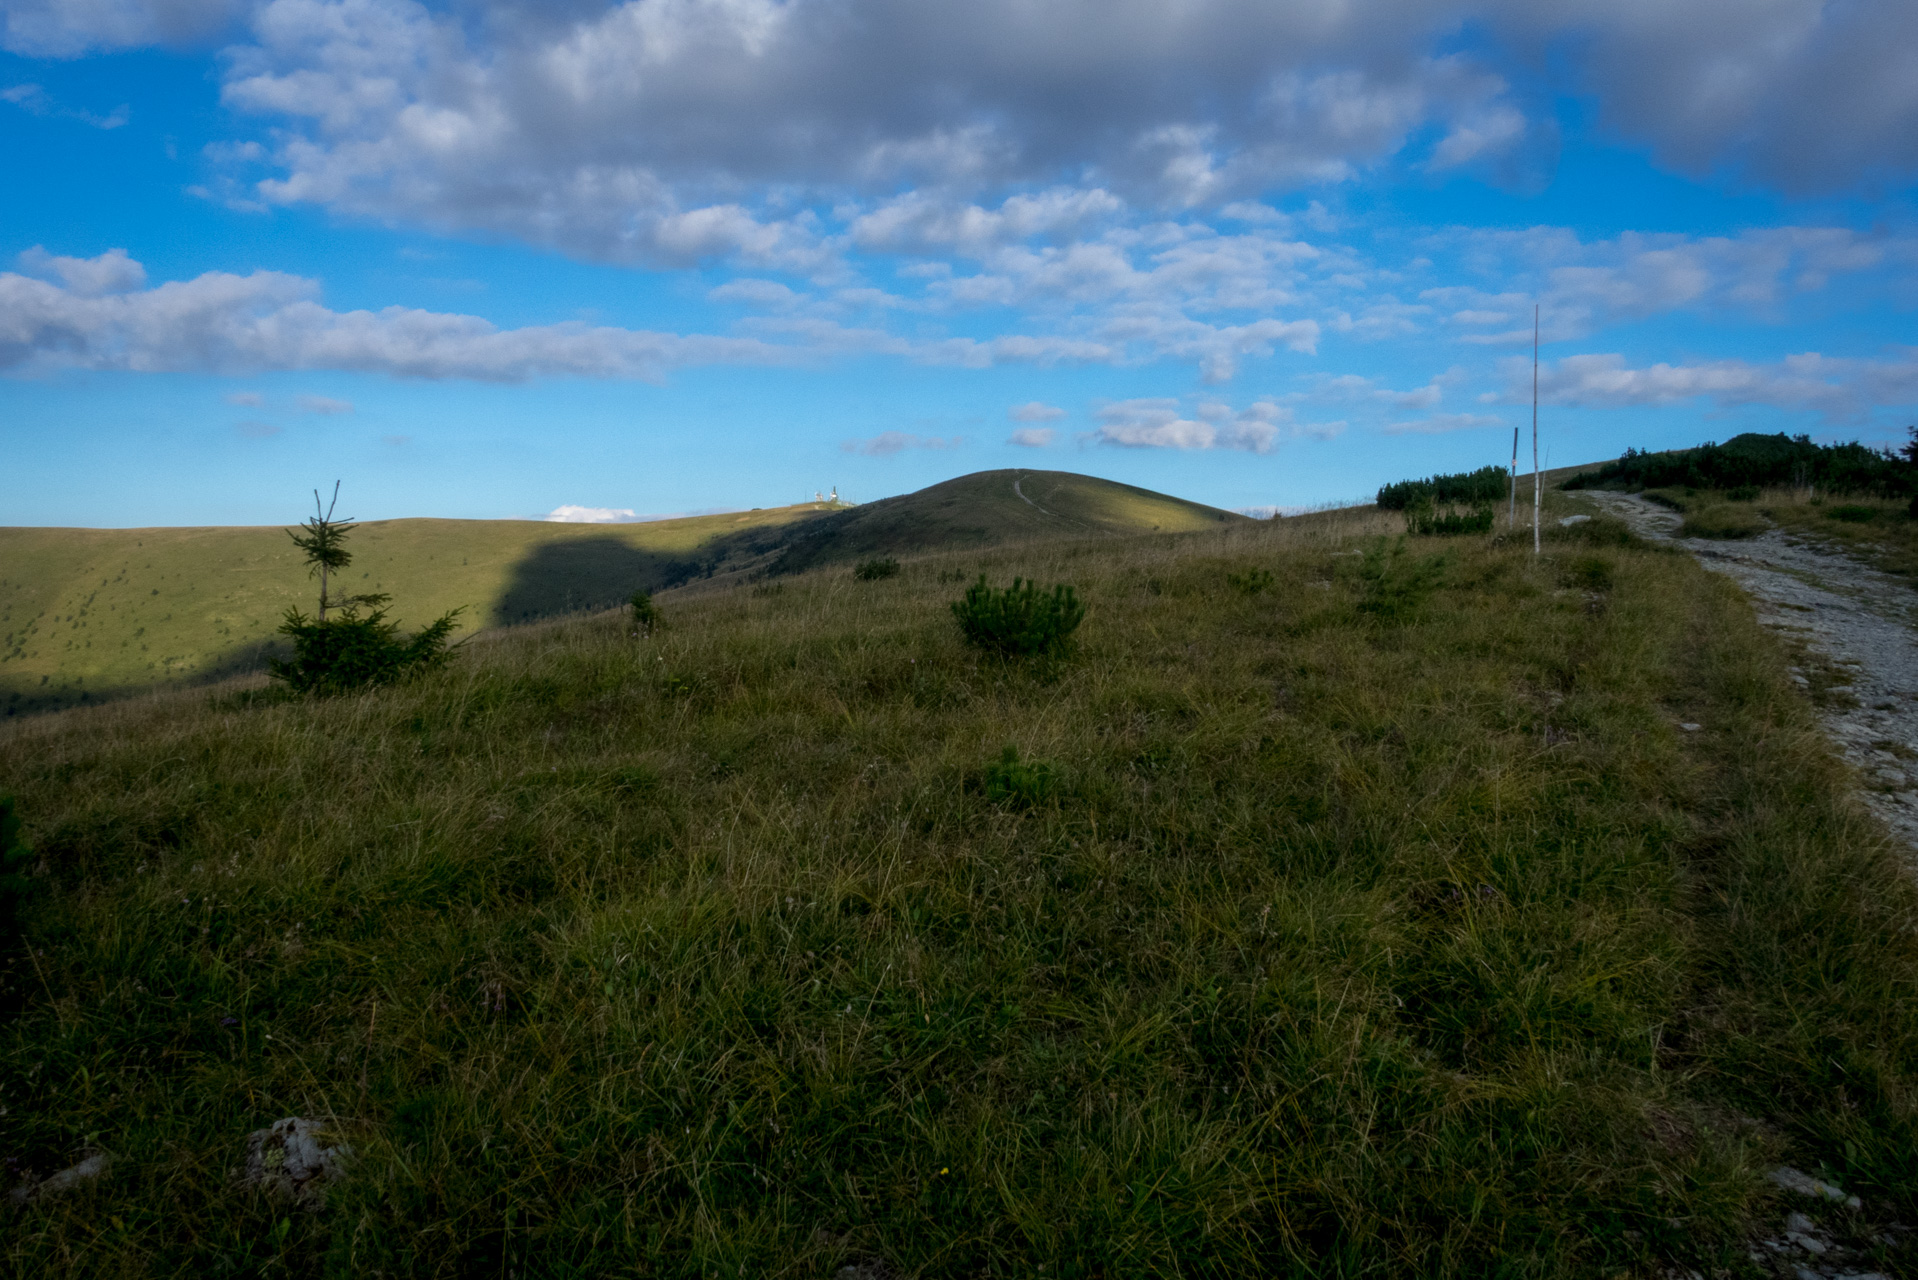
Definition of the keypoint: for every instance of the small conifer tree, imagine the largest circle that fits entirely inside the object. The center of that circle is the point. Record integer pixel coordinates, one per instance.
(350, 650)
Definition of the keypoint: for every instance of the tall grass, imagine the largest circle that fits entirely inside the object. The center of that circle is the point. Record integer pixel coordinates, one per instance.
(1340, 940)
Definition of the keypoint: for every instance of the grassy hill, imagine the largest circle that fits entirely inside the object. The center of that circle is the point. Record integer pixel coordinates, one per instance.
(1346, 909)
(990, 508)
(88, 614)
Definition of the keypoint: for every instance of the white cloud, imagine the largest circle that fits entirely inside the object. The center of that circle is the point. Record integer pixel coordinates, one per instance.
(1581, 286)
(1839, 389)
(68, 28)
(888, 443)
(111, 272)
(1033, 437)
(1441, 422)
(324, 405)
(254, 430)
(1035, 411)
(671, 130)
(1351, 388)
(569, 513)
(245, 399)
(219, 323)
(1158, 423)
(763, 293)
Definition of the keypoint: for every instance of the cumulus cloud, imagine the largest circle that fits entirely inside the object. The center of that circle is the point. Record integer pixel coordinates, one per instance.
(1581, 286)
(569, 513)
(68, 28)
(1159, 423)
(1033, 437)
(888, 443)
(111, 272)
(1838, 389)
(1035, 411)
(219, 323)
(664, 129)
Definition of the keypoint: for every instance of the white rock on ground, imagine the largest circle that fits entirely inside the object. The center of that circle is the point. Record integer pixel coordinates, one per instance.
(293, 1158)
(1846, 612)
(1789, 1179)
(94, 1166)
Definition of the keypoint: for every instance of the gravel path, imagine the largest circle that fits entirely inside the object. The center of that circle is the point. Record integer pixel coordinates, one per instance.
(1847, 614)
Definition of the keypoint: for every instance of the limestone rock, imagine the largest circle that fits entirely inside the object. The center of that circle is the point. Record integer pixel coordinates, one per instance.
(295, 1158)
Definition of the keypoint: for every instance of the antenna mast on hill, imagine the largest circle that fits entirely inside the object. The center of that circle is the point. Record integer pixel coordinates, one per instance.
(1537, 485)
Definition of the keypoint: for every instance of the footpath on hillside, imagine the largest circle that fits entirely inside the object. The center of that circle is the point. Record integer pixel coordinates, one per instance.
(1845, 614)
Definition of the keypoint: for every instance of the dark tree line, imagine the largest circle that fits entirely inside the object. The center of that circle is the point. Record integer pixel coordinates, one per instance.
(1760, 461)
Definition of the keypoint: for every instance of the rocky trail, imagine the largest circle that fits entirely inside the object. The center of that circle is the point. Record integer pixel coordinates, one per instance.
(1855, 624)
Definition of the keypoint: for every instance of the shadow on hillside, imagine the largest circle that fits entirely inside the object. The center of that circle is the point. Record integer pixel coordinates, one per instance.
(20, 697)
(587, 573)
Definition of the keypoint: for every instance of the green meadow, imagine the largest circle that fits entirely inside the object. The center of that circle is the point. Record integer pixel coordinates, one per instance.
(87, 615)
(1339, 905)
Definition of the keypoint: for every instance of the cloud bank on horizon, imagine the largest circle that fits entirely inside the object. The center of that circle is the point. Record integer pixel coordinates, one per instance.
(1223, 228)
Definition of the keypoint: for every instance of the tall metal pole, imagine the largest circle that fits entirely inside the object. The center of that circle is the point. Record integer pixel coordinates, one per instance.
(1538, 485)
(1511, 516)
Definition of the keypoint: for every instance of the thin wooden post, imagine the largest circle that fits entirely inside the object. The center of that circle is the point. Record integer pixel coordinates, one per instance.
(1538, 485)
(1511, 517)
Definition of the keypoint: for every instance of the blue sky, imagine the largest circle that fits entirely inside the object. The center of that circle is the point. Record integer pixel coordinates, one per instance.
(507, 259)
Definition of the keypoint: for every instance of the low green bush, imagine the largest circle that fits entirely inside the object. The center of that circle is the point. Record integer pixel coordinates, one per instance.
(1251, 582)
(351, 651)
(646, 614)
(1020, 783)
(874, 570)
(1743, 493)
(1852, 513)
(1394, 584)
(1429, 522)
(1019, 621)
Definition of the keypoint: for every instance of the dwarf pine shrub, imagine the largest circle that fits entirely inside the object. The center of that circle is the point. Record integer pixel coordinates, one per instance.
(1251, 582)
(1019, 783)
(874, 570)
(351, 651)
(646, 614)
(1428, 521)
(1396, 584)
(1019, 621)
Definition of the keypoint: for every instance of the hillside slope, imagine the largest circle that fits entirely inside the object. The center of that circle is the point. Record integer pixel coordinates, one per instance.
(1316, 915)
(89, 614)
(993, 508)
(86, 614)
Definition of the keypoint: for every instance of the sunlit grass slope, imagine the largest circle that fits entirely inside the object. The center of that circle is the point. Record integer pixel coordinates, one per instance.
(88, 613)
(1377, 919)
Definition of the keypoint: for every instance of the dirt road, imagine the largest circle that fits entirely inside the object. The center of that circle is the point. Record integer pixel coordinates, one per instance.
(1846, 614)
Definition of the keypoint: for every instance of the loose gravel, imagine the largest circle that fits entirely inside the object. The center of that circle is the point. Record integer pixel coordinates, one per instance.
(1847, 614)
